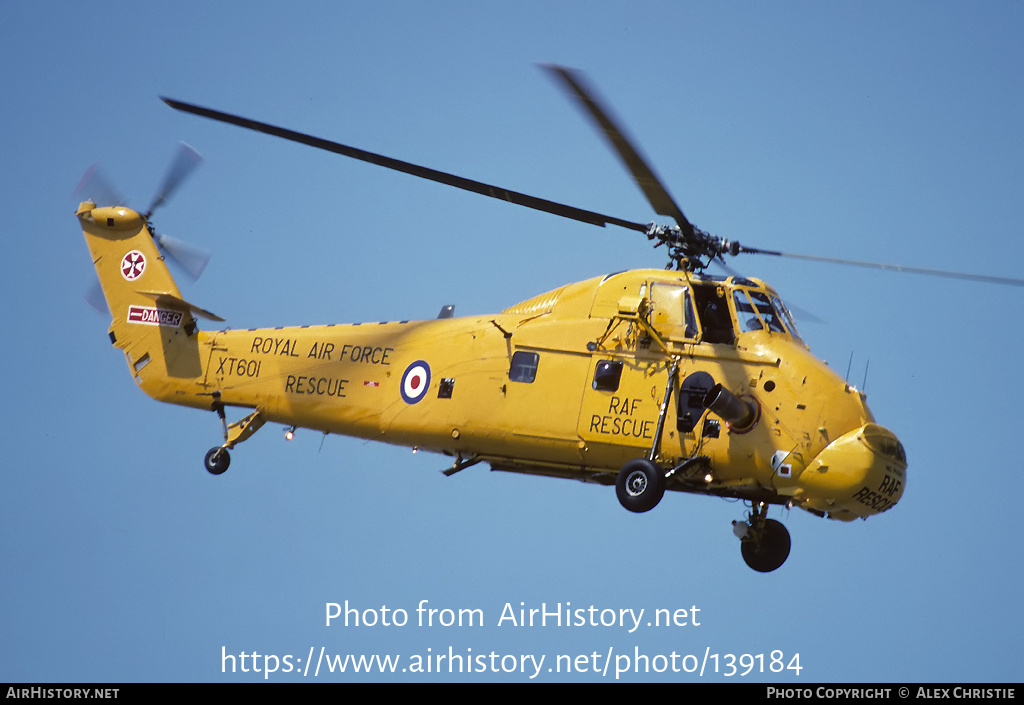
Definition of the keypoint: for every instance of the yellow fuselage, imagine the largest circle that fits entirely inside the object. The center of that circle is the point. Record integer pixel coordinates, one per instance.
(570, 383)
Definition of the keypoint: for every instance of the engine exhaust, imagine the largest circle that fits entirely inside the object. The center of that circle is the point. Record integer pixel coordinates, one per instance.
(740, 414)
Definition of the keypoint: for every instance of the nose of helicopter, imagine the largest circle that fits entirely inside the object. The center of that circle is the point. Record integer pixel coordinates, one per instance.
(861, 473)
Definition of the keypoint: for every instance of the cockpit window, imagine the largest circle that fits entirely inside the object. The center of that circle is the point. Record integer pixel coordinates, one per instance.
(745, 312)
(781, 308)
(768, 313)
(757, 311)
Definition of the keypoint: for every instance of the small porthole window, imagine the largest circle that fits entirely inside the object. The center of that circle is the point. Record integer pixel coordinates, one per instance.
(607, 375)
(524, 366)
(445, 388)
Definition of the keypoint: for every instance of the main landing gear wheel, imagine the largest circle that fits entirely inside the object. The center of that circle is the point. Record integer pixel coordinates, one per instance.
(769, 551)
(217, 460)
(640, 485)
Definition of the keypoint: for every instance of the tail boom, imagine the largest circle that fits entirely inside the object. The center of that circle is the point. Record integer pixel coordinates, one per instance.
(150, 321)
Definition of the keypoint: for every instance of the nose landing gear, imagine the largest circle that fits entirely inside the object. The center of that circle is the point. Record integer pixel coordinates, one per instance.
(764, 542)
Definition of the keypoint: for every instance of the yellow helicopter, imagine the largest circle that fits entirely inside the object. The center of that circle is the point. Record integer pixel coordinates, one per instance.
(649, 380)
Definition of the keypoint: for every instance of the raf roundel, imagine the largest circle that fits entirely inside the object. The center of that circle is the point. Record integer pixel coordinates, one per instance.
(415, 381)
(133, 265)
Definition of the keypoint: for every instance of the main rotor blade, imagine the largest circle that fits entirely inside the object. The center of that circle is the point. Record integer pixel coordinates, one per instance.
(1009, 281)
(423, 172)
(644, 176)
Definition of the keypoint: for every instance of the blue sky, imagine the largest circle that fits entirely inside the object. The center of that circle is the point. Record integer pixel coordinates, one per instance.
(872, 130)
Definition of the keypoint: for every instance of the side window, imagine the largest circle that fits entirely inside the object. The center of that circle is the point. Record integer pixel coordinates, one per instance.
(607, 376)
(524, 366)
(713, 310)
(672, 311)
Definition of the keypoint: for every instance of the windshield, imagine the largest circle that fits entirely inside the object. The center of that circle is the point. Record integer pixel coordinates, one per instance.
(757, 310)
(781, 308)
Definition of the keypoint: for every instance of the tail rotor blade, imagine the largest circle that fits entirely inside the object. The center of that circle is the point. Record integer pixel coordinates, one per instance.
(184, 164)
(93, 296)
(192, 258)
(95, 186)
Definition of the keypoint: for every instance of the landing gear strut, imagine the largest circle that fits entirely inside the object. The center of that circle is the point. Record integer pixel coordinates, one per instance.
(641, 483)
(217, 458)
(764, 542)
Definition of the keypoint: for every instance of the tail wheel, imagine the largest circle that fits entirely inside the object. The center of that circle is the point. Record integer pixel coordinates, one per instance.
(769, 551)
(217, 460)
(640, 485)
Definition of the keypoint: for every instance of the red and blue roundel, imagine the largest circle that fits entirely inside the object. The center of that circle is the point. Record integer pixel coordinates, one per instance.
(415, 381)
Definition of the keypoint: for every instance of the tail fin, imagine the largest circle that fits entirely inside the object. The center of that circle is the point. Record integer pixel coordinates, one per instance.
(151, 323)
